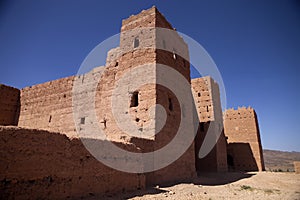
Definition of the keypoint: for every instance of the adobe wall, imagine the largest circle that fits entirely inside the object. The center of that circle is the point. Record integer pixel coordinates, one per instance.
(146, 18)
(244, 144)
(209, 162)
(208, 104)
(161, 94)
(183, 169)
(9, 105)
(38, 164)
(222, 153)
(153, 31)
(202, 92)
(297, 167)
(49, 105)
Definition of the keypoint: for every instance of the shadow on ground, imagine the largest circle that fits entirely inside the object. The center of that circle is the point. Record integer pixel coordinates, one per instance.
(209, 179)
(128, 195)
(220, 178)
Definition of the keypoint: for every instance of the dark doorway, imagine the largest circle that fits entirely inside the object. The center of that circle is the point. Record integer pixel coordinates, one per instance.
(230, 162)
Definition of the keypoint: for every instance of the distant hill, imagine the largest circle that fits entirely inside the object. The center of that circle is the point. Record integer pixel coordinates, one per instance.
(280, 160)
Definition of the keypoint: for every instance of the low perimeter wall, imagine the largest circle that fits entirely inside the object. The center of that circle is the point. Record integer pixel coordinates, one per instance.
(297, 167)
(37, 164)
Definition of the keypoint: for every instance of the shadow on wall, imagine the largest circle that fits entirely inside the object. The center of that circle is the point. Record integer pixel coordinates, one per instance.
(240, 157)
(215, 160)
(55, 167)
(9, 105)
(209, 162)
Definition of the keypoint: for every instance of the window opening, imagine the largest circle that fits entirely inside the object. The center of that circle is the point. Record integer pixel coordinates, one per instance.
(136, 42)
(134, 99)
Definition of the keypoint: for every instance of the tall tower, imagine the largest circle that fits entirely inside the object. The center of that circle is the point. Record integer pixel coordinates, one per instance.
(150, 113)
(208, 104)
(147, 41)
(244, 143)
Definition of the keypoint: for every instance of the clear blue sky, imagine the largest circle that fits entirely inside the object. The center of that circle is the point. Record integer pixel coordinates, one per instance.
(255, 44)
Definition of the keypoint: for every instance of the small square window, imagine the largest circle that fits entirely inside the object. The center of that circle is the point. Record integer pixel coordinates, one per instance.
(82, 120)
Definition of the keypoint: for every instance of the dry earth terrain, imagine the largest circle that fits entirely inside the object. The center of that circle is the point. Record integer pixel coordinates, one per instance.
(234, 185)
(280, 160)
(213, 186)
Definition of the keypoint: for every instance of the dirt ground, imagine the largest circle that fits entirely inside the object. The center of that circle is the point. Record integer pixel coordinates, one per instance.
(212, 186)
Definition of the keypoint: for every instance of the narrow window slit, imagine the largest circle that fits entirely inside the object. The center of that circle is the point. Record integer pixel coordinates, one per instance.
(134, 99)
(170, 104)
(82, 120)
(164, 44)
(136, 42)
(104, 122)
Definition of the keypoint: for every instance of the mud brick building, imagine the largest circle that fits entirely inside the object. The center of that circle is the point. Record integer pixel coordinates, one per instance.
(244, 145)
(208, 104)
(40, 149)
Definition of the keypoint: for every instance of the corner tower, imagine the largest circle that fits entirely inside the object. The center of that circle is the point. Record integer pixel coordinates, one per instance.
(143, 47)
(208, 104)
(244, 144)
(147, 39)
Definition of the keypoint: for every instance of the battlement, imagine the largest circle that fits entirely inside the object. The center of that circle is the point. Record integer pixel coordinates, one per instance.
(243, 137)
(138, 31)
(147, 18)
(241, 112)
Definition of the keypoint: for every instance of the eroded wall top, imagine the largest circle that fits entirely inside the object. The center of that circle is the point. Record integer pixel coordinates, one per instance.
(9, 105)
